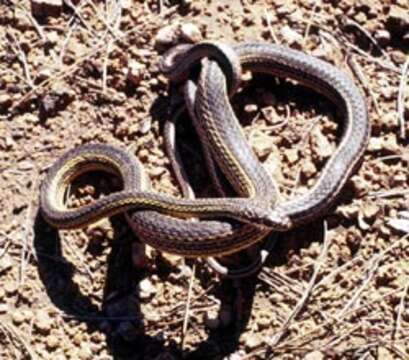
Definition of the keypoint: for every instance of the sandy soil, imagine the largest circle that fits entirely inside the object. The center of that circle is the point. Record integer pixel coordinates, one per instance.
(335, 289)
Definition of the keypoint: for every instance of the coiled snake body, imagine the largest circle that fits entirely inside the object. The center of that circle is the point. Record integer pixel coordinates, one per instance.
(235, 223)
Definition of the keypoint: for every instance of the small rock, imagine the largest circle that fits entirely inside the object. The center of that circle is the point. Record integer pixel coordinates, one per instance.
(4, 308)
(388, 92)
(370, 211)
(385, 354)
(308, 169)
(44, 8)
(361, 186)
(251, 108)
(18, 317)
(10, 287)
(322, 146)
(157, 171)
(383, 37)
(390, 144)
(5, 101)
(52, 342)
(314, 355)
(43, 322)
(290, 36)
(145, 126)
(291, 155)
(262, 144)
(398, 56)
(52, 37)
(6, 263)
(85, 353)
(252, 341)
(146, 289)
(135, 72)
(375, 144)
(167, 36)
(263, 319)
(190, 33)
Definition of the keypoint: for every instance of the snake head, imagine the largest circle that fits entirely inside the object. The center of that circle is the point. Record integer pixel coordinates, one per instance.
(265, 216)
(278, 221)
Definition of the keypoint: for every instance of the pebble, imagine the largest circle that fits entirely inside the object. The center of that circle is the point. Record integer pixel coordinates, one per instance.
(314, 355)
(10, 287)
(388, 92)
(52, 342)
(190, 33)
(290, 36)
(146, 289)
(135, 72)
(167, 36)
(43, 322)
(370, 211)
(252, 341)
(382, 36)
(251, 108)
(390, 144)
(44, 8)
(308, 169)
(263, 319)
(375, 144)
(323, 147)
(384, 353)
(6, 263)
(291, 155)
(85, 353)
(52, 37)
(262, 144)
(5, 101)
(4, 308)
(145, 126)
(18, 317)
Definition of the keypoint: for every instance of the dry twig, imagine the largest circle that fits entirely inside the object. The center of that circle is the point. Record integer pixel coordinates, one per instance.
(187, 308)
(300, 305)
(401, 98)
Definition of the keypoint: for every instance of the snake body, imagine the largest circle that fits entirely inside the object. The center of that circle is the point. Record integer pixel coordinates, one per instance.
(224, 139)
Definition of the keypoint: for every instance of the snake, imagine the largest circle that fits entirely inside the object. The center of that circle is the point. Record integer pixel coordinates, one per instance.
(230, 224)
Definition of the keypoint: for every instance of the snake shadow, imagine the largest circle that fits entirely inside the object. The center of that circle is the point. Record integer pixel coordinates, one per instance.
(120, 311)
(57, 274)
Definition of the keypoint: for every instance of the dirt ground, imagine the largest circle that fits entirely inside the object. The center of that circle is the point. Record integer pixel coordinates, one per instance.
(334, 289)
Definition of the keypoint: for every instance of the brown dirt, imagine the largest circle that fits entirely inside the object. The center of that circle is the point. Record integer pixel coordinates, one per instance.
(89, 294)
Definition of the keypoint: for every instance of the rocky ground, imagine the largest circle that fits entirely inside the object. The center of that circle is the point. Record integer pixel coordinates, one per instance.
(87, 72)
